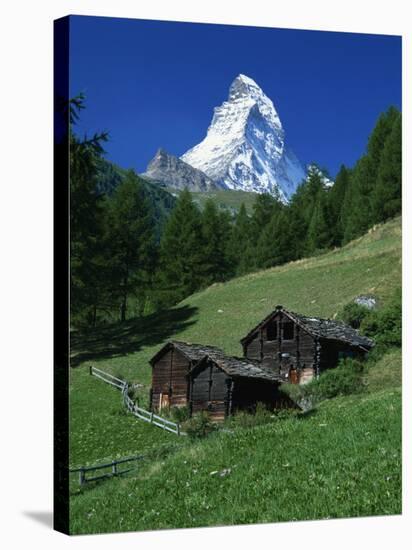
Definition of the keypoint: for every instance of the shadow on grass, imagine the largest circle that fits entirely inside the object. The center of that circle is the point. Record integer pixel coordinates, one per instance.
(304, 415)
(123, 338)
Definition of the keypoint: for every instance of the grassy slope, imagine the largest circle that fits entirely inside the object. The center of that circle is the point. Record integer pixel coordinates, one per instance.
(294, 469)
(225, 312)
(342, 461)
(231, 200)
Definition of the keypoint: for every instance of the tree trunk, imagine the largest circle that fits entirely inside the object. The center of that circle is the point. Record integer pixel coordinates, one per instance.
(123, 309)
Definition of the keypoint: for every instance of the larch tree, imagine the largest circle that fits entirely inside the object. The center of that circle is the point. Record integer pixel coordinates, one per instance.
(129, 241)
(387, 194)
(180, 270)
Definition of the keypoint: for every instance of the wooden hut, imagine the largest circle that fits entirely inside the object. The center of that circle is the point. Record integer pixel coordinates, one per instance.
(170, 367)
(221, 385)
(297, 347)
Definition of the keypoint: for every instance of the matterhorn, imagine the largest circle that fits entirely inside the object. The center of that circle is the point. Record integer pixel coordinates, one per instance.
(245, 147)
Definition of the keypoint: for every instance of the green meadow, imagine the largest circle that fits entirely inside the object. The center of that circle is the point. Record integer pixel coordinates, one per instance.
(341, 460)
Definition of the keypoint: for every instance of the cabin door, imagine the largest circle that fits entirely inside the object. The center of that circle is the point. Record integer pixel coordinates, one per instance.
(164, 401)
(293, 376)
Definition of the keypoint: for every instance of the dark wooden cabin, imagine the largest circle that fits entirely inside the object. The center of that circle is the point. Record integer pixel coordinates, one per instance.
(221, 385)
(170, 368)
(298, 348)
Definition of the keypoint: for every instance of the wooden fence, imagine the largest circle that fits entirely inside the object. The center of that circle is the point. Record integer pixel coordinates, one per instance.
(108, 378)
(82, 471)
(137, 411)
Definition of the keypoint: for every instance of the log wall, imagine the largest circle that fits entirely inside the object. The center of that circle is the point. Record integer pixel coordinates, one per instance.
(169, 378)
(300, 350)
(210, 391)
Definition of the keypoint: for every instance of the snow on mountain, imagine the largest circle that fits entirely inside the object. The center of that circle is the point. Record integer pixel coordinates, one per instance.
(314, 169)
(245, 148)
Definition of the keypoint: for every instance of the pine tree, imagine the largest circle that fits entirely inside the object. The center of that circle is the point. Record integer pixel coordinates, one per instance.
(387, 194)
(309, 217)
(336, 200)
(181, 270)
(379, 135)
(215, 230)
(129, 242)
(359, 211)
(298, 221)
(240, 242)
(319, 235)
(86, 283)
(264, 208)
(274, 243)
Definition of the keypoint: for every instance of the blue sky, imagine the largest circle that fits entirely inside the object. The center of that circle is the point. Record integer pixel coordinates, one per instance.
(154, 84)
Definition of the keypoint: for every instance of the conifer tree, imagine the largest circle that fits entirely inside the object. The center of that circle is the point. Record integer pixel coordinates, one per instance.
(307, 208)
(181, 251)
(274, 245)
(359, 211)
(215, 230)
(380, 133)
(129, 242)
(264, 208)
(297, 223)
(336, 199)
(86, 228)
(387, 194)
(319, 234)
(240, 242)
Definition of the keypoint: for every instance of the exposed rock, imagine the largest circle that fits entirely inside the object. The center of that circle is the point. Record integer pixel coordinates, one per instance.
(173, 172)
(369, 302)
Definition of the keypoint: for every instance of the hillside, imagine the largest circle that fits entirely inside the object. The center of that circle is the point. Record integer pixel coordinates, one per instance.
(226, 199)
(224, 312)
(162, 202)
(342, 460)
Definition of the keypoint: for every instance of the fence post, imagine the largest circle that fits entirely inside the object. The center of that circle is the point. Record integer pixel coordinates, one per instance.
(90, 369)
(151, 418)
(114, 467)
(82, 477)
(178, 429)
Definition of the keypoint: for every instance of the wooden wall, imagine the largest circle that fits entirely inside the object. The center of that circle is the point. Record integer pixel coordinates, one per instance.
(210, 391)
(301, 349)
(215, 392)
(247, 393)
(169, 378)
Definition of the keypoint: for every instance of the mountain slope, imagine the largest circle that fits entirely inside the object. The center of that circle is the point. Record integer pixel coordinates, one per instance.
(245, 146)
(342, 461)
(161, 201)
(175, 173)
(221, 314)
(354, 442)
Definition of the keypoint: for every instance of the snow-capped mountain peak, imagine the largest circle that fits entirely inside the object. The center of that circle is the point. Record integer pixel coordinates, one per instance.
(244, 88)
(245, 145)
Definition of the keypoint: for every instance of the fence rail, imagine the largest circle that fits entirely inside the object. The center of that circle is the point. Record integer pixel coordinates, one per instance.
(108, 378)
(137, 411)
(82, 470)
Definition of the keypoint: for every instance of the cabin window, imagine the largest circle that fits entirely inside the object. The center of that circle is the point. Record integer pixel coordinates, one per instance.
(288, 331)
(272, 330)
